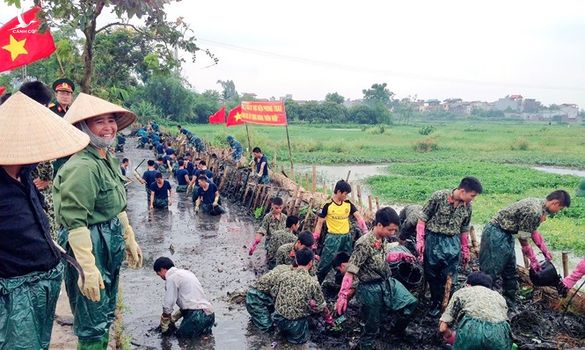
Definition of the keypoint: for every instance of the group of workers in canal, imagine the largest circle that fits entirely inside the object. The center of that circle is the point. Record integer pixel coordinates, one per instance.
(434, 236)
(70, 224)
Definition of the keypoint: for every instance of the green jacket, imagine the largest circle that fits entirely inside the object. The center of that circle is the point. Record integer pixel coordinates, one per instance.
(88, 190)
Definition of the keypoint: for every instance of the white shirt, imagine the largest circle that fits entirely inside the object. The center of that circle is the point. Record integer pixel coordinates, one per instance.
(184, 289)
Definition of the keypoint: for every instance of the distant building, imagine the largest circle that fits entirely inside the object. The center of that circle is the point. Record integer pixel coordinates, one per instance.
(510, 103)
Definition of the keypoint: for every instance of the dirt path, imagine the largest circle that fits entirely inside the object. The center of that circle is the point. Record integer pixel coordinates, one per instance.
(62, 337)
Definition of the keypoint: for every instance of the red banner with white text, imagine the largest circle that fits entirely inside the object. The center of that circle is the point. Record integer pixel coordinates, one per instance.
(265, 113)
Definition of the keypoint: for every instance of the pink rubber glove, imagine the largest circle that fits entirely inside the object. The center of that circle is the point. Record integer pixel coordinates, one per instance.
(399, 256)
(341, 304)
(449, 336)
(313, 305)
(329, 320)
(465, 248)
(316, 237)
(529, 253)
(575, 276)
(539, 241)
(420, 239)
(253, 247)
(362, 225)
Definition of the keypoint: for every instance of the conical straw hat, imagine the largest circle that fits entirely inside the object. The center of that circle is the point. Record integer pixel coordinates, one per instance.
(31, 133)
(86, 106)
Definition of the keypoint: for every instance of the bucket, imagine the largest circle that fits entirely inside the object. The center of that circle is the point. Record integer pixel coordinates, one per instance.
(409, 274)
(546, 277)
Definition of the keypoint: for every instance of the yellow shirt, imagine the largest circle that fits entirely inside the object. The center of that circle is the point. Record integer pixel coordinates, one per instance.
(337, 216)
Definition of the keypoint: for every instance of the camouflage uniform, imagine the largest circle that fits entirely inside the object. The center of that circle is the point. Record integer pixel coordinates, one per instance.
(444, 224)
(278, 239)
(409, 216)
(377, 291)
(297, 288)
(482, 319)
(268, 226)
(285, 255)
(44, 172)
(259, 299)
(238, 150)
(497, 255)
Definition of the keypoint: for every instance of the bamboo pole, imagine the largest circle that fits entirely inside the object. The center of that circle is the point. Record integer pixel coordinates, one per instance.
(249, 140)
(314, 178)
(347, 177)
(565, 256)
(292, 168)
(447, 294)
(359, 194)
(370, 204)
(377, 203)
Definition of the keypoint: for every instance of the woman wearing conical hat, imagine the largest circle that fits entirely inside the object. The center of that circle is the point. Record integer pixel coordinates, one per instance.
(31, 270)
(90, 206)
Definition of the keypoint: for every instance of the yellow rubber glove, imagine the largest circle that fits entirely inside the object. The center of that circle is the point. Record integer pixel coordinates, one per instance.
(177, 315)
(165, 322)
(80, 242)
(133, 251)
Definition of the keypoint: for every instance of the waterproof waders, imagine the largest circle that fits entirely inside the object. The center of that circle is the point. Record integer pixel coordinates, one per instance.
(295, 331)
(497, 258)
(441, 259)
(92, 320)
(27, 309)
(478, 334)
(195, 324)
(334, 243)
(259, 306)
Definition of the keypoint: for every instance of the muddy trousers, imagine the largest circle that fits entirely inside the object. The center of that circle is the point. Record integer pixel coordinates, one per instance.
(474, 334)
(195, 324)
(295, 331)
(27, 309)
(497, 258)
(181, 188)
(259, 306)
(92, 320)
(441, 258)
(161, 203)
(378, 299)
(334, 243)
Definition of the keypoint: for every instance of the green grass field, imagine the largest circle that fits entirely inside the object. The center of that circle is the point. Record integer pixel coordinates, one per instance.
(498, 154)
(533, 144)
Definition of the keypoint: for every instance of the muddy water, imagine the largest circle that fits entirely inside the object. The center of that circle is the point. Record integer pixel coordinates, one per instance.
(330, 174)
(561, 171)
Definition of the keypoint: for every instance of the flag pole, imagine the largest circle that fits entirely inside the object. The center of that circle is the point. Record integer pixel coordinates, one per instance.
(249, 142)
(292, 169)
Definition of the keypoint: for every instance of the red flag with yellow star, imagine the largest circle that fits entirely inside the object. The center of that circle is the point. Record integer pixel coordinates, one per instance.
(21, 43)
(234, 117)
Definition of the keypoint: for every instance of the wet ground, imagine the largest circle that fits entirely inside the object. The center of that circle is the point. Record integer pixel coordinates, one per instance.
(215, 249)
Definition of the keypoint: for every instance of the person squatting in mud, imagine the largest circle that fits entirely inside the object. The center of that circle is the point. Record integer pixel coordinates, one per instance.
(183, 289)
(274, 221)
(378, 293)
(161, 193)
(481, 316)
(208, 197)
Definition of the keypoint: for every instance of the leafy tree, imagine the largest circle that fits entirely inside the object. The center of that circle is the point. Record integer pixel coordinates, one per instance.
(229, 92)
(169, 95)
(335, 98)
(363, 114)
(83, 15)
(378, 94)
(204, 105)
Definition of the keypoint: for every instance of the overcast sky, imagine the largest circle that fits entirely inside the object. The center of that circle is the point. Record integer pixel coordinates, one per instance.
(431, 49)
